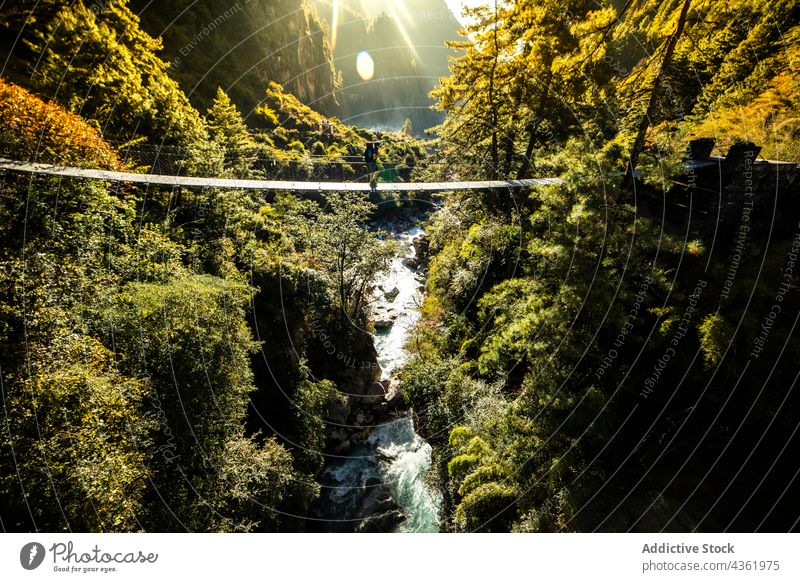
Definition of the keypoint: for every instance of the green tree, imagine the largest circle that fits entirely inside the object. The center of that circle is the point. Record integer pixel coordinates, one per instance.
(348, 254)
(80, 439)
(190, 339)
(103, 66)
(521, 81)
(655, 91)
(228, 130)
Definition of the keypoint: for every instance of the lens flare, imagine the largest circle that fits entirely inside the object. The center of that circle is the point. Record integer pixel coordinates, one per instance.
(402, 18)
(334, 23)
(365, 66)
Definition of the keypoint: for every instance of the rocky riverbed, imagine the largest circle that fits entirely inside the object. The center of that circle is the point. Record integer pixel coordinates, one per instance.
(374, 479)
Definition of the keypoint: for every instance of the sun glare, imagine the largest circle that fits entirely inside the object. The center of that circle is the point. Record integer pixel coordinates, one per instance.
(334, 23)
(402, 18)
(365, 66)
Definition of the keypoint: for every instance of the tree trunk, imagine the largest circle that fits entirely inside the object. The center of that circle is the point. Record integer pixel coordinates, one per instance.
(533, 126)
(492, 104)
(638, 144)
(511, 135)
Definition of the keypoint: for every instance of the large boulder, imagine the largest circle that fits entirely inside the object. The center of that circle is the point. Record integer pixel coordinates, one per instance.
(337, 412)
(381, 523)
(342, 448)
(354, 387)
(420, 246)
(392, 295)
(374, 393)
(393, 397)
(378, 511)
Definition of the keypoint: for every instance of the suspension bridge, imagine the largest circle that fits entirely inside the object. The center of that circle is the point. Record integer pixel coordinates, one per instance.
(299, 186)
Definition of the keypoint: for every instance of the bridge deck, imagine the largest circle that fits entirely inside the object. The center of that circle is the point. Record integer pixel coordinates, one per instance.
(195, 182)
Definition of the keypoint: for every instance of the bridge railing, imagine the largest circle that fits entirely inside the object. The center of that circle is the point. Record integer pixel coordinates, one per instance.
(170, 160)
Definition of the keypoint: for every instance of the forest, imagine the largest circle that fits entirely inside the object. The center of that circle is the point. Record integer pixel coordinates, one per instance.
(614, 353)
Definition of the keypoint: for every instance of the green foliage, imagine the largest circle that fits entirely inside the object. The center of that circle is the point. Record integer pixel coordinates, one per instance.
(80, 437)
(228, 130)
(553, 306)
(423, 380)
(484, 493)
(190, 338)
(104, 66)
(125, 316)
(311, 401)
(348, 255)
(161, 327)
(535, 74)
(715, 338)
(487, 508)
(543, 305)
(252, 483)
(518, 81)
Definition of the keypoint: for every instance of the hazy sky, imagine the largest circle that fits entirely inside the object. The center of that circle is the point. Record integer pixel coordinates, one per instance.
(455, 5)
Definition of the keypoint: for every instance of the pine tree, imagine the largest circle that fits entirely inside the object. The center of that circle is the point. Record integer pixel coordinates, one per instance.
(228, 131)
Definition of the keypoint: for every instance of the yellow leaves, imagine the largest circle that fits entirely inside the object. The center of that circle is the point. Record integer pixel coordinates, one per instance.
(578, 213)
(30, 126)
(485, 504)
(89, 435)
(460, 436)
(770, 120)
(595, 22)
(669, 317)
(716, 336)
(695, 247)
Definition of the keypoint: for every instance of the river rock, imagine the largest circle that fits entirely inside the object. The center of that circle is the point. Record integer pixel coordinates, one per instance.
(410, 263)
(393, 397)
(374, 393)
(381, 523)
(392, 295)
(383, 324)
(421, 250)
(342, 448)
(354, 387)
(378, 510)
(338, 412)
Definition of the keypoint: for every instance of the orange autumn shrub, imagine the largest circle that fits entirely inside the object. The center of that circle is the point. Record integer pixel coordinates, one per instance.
(32, 130)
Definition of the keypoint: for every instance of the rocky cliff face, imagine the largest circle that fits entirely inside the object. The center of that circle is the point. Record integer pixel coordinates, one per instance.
(242, 46)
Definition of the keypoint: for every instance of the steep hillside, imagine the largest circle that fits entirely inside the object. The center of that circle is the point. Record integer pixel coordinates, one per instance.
(100, 64)
(242, 46)
(607, 355)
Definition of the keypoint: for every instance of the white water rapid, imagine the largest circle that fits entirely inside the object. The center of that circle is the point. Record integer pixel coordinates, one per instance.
(395, 455)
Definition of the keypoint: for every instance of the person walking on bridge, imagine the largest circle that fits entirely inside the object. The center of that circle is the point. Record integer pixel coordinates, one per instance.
(371, 160)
